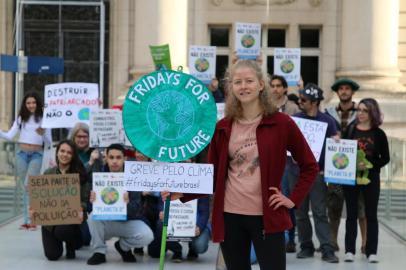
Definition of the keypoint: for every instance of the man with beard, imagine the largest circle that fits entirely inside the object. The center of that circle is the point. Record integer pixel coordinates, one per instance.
(344, 114)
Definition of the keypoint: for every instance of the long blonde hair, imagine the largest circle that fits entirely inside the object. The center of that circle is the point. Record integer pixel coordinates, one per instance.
(233, 108)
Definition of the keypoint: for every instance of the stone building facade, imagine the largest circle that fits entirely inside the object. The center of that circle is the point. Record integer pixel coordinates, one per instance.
(364, 40)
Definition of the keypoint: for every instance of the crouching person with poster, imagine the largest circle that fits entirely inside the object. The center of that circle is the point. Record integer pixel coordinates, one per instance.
(58, 201)
(109, 218)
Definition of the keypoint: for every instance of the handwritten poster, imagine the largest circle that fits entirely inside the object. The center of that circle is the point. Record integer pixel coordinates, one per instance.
(182, 219)
(106, 127)
(68, 103)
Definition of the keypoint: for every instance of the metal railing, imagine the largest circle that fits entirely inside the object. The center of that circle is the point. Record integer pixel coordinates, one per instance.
(392, 203)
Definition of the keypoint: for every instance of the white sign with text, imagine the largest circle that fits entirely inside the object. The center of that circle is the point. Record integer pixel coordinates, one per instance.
(247, 40)
(202, 62)
(68, 103)
(173, 177)
(314, 133)
(106, 127)
(182, 219)
(287, 64)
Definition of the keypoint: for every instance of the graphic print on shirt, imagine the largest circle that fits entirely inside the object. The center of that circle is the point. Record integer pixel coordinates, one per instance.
(366, 144)
(241, 159)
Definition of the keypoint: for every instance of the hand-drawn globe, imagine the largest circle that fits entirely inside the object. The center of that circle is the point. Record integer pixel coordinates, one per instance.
(247, 41)
(83, 114)
(340, 161)
(287, 66)
(201, 64)
(109, 195)
(170, 115)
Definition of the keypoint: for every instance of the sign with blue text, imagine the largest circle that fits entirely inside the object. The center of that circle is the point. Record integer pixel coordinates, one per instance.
(340, 162)
(247, 40)
(109, 203)
(173, 177)
(287, 64)
(202, 63)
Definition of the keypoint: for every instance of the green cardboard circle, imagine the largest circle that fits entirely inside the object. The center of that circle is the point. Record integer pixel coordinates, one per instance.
(169, 116)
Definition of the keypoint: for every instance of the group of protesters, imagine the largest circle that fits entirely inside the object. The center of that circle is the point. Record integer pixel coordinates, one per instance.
(260, 191)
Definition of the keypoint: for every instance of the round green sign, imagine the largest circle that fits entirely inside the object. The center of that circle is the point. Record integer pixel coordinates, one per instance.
(169, 115)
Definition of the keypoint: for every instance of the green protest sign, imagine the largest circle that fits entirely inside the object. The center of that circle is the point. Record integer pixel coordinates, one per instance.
(161, 56)
(169, 116)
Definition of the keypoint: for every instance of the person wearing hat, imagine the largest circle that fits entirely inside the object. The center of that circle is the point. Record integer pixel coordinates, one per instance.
(309, 100)
(344, 114)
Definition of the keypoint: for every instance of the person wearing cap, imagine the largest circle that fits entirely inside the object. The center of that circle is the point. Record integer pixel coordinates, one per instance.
(309, 100)
(344, 114)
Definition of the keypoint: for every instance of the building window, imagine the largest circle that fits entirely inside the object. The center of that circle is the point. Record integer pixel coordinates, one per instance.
(309, 38)
(219, 36)
(276, 38)
(309, 66)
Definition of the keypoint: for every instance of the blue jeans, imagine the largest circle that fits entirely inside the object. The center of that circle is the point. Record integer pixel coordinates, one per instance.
(200, 244)
(28, 163)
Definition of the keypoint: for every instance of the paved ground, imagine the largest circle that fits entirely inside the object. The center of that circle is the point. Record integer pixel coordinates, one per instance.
(22, 250)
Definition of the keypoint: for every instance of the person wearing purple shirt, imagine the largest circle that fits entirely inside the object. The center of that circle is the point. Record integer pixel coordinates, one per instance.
(309, 101)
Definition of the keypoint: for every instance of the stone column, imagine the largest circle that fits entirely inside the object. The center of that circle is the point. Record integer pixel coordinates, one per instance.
(369, 45)
(159, 22)
(6, 78)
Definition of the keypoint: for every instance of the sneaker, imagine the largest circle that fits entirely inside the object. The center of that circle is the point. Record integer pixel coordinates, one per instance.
(97, 258)
(177, 257)
(192, 255)
(373, 258)
(329, 257)
(127, 256)
(349, 257)
(139, 251)
(70, 254)
(290, 247)
(23, 227)
(305, 253)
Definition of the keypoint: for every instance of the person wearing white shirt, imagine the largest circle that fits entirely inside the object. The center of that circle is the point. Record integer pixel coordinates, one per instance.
(31, 141)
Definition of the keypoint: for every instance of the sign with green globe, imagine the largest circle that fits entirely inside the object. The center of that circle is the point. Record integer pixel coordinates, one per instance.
(169, 116)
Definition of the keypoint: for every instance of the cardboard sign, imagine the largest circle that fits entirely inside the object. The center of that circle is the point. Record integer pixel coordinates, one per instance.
(247, 40)
(106, 128)
(202, 62)
(68, 103)
(287, 64)
(55, 199)
(182, 220)
(314, 133)
(161, 57)
(109, 203)
(340, 162)
(173, 177)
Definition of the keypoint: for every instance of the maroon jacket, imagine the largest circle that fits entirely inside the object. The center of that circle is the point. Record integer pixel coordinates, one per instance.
(275, 135)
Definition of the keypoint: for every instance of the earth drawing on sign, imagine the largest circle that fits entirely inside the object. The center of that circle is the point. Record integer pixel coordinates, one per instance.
(109, 195)
(340, 161)
(170, 115)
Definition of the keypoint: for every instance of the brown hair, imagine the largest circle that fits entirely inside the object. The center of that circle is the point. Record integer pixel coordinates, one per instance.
(233, 108)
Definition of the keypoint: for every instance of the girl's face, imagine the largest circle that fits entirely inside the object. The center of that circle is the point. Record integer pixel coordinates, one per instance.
(246, 86)
(31, 104)
(65, 154)
(363, 113)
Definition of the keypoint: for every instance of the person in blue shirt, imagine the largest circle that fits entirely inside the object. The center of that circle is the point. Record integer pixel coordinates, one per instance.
(309, 100)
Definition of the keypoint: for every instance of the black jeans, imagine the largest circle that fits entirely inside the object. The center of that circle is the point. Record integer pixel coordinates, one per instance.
(54, 236)
(239, 232)
(371, 198)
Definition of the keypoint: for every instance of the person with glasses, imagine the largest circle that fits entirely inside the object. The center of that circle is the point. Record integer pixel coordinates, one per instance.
(344, 114)
(309, 102)
(373, 141)
(279, 90)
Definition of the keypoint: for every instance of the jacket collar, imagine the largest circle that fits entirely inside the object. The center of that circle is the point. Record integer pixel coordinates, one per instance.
(226, 123)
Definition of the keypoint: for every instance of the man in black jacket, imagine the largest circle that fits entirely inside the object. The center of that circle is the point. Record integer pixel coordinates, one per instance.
(133, 232)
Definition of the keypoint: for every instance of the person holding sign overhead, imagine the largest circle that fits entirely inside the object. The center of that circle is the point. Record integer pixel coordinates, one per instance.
(133, 232)
(309, 101)
(68, 162)
(248, 151)
(373, 142)
(30, 142)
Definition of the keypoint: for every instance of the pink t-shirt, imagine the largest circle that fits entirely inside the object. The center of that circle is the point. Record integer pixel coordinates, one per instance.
(243, 194)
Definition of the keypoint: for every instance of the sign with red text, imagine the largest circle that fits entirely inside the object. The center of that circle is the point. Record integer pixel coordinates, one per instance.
(68, 103)
(173, 177)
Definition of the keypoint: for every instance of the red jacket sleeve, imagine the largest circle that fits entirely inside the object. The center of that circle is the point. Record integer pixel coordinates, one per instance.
(304, 157)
